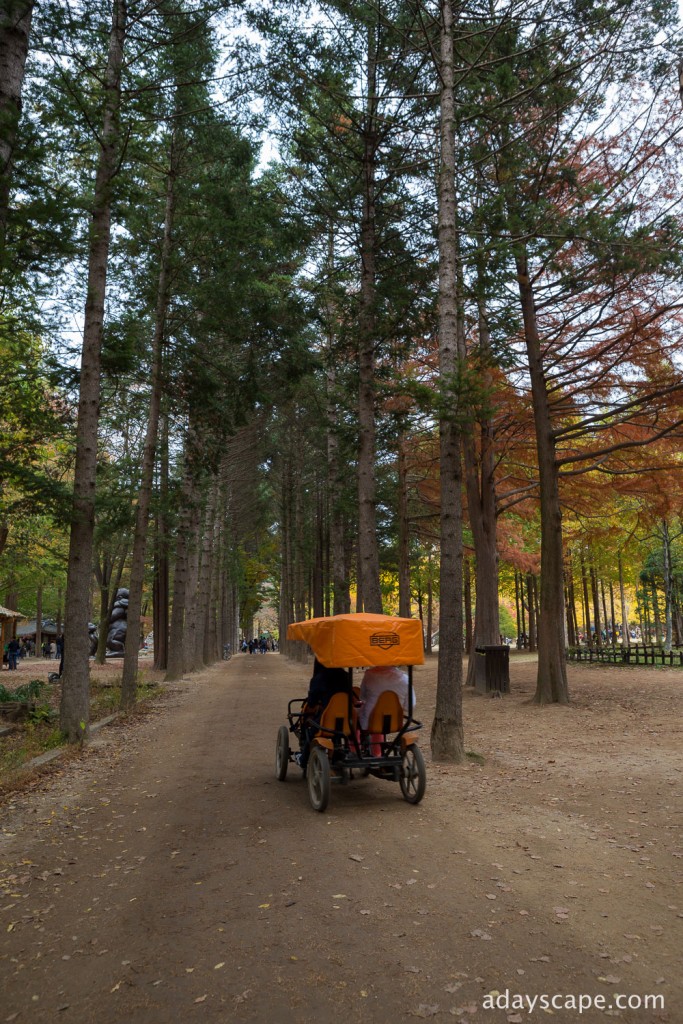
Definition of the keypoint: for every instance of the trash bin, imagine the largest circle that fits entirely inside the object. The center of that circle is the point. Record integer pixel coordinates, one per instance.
(492, 670)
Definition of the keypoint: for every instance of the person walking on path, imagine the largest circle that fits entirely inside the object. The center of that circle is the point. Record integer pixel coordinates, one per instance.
(13, 652)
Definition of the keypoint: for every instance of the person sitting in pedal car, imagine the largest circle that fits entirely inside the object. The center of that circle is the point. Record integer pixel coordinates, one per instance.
(375, 681)
(325, 682)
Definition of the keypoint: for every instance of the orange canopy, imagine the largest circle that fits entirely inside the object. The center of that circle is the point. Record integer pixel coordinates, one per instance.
(348, 641)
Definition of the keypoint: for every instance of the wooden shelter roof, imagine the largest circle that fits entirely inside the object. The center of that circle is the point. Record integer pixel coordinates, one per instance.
(7, 613)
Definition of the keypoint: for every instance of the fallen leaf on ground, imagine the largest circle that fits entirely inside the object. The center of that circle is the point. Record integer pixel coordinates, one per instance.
(424, 1010)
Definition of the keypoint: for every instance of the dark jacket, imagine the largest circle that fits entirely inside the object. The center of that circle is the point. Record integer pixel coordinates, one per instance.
(325, 683)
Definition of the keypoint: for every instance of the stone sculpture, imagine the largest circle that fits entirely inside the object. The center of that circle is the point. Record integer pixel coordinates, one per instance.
(118, 624)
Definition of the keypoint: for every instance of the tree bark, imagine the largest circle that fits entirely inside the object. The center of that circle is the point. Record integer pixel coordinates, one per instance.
(655, 610)
(447, 738)
(39, 620)
(15, 30)
(612, 613)
(176, 660)
(430, 607)
(75, 705)
(551, 680)
(467, 603)
(604, 609)
(317, 587)
(137, 567)
(103, 576)
(340, 579)
(368, 551)
(625, 631)
(597, 620)
(531, 604)
(191, 592)
(570, 603)
(160, 595)
(481, 502)
(403, 532)
(204, 578)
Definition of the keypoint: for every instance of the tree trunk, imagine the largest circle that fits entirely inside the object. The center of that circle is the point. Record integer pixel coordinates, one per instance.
(75, 705)
(531, 604)
(469, 633)
(340, 579)
(298, 547)
(586, 603)
(668, 587)
(160, 595)
(403, 532)
(430, 608)
(625, 632)
(523, 610)
(368, 551)
(191, 593)
(317, 587)
(103, 580)
(612, 613)
(39, 620)
(137, 567)
(176, 661)
(447, 738)
(481, 502)
(604, 610)
(570, 602)
(655, 610)
(15, 30)
(286, 573)
(551, 680)
(204, 578)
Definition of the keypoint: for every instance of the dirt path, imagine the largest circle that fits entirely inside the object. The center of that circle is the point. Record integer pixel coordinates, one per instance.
(167, 876)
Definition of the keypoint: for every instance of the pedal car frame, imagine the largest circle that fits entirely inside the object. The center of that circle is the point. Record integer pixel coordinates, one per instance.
(339, 750)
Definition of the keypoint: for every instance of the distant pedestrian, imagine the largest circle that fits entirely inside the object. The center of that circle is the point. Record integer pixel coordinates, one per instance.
(13, 648)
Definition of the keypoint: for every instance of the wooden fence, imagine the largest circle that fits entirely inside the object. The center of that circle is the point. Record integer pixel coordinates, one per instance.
(636, 654)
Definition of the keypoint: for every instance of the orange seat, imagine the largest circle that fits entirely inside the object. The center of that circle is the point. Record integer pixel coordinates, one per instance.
(336, 718)
(387, 714)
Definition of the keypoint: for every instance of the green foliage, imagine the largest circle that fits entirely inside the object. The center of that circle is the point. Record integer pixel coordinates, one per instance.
(42, 713)
(34, 420)
(24, 692)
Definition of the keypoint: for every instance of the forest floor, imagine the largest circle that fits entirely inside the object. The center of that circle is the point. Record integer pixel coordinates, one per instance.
(164, 875)
(24, 739)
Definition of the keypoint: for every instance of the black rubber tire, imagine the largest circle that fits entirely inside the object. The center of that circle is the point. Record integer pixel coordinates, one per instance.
(282, 753)
(318, 776)
(413, 778)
